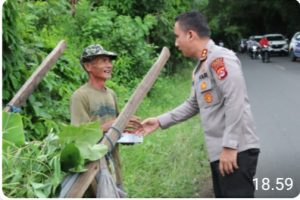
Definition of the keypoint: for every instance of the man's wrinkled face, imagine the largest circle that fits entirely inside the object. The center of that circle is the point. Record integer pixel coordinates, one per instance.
(182, 40)
(101, 67)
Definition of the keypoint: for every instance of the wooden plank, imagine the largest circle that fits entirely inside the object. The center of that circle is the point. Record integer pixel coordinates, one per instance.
(20, 98)
(94, 187)
(137, 97)
(84, 180)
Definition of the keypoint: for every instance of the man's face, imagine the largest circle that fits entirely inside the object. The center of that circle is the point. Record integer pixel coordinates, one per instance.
(100, 67)
(182, 40)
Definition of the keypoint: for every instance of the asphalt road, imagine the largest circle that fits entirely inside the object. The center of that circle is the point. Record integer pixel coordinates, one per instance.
(274, 92)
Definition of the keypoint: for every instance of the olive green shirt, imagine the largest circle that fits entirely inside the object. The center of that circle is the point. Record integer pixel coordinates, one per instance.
(90, 104)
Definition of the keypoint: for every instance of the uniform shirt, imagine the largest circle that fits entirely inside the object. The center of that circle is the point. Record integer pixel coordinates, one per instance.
(219, 95)
(90, 104)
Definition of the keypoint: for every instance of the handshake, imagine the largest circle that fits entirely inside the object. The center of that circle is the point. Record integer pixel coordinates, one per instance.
(136, 126)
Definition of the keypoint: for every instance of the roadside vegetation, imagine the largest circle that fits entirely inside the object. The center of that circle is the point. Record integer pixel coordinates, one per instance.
(37, 163)
(170, 163)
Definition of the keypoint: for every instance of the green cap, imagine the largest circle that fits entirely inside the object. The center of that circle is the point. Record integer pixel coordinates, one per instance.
(90, 52)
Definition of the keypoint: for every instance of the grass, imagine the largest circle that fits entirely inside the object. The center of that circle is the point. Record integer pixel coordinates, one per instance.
(171, 162)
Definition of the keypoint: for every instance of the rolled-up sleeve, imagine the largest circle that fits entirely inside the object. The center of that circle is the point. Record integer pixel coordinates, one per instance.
(183, 112)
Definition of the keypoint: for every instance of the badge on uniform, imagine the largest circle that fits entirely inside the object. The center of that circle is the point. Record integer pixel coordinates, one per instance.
(219, 66)
(203, 85)
(208, 97)
(203, 54)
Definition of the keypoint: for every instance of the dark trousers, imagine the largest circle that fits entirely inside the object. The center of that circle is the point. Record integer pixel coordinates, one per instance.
(240, 182)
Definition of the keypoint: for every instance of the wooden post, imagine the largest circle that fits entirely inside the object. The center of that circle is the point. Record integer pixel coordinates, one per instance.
(20, 98)
(84, 180)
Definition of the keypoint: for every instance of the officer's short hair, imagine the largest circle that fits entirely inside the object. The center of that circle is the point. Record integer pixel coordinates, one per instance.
(195, 21)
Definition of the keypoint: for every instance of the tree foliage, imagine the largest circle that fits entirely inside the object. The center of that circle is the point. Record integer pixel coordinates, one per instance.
(135, 30)
(231, 20)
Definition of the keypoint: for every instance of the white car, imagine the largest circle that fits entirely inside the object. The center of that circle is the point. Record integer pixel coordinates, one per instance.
(278, 43)
(294, 47)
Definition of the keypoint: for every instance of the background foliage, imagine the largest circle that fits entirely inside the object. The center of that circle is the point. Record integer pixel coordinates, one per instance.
(136, 30)
(230, 19)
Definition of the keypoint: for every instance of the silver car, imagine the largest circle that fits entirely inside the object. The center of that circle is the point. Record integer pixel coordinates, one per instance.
(278, 43)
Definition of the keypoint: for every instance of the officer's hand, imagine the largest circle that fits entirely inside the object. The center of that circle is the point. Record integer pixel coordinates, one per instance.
(228, 161)
(148, 126)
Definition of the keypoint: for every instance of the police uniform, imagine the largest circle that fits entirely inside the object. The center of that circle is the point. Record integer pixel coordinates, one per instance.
(219, 95)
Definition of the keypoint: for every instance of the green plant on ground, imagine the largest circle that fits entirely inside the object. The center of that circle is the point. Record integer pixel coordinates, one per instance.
(34, 169)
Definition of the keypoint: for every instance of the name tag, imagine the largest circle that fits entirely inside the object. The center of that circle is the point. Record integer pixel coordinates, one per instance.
(203, 76)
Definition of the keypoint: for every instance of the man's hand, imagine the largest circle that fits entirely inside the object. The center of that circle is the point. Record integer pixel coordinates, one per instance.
(148, 126)
(228, 161)
(105, 126)
(133, 124)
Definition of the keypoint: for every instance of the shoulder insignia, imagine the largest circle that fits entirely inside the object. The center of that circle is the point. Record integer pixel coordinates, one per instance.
(218, 66)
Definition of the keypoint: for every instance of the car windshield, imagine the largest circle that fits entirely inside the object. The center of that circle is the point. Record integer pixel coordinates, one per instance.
(274, 38)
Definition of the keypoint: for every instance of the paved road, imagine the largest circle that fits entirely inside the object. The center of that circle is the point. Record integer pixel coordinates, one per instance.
(274, 92)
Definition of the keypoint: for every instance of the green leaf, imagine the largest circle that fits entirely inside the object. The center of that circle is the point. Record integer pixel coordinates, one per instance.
(89, 133)
(57, 173)
(92, 152)
(70, 157)
(12, 127)
(41, 190)
(80, 145)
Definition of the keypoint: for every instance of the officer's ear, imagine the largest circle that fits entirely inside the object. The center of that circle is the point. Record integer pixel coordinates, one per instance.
(191, 34)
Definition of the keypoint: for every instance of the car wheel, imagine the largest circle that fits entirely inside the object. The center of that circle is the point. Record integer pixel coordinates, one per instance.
(292, 55)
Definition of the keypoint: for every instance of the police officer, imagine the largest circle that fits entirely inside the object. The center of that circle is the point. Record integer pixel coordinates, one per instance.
(219, 95)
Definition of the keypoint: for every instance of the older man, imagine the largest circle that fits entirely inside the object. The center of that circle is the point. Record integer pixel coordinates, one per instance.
(94, 101)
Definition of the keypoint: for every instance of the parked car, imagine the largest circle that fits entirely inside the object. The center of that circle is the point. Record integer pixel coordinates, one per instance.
(253, 46)
(294, 47)
(278, 43)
